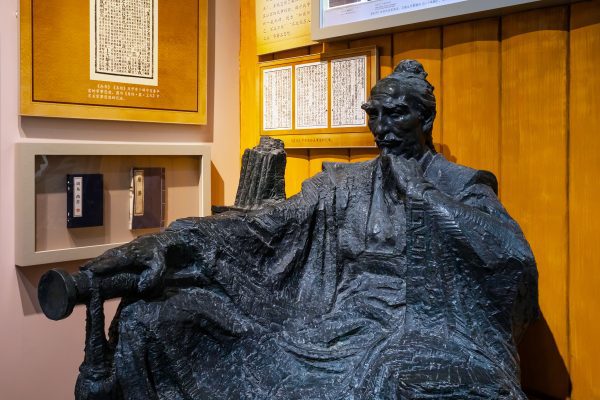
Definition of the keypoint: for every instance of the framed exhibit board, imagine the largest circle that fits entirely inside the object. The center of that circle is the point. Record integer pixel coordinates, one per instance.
(57, 185)
(282, 25)
(315, 101)
(338, 18)
(136, 60)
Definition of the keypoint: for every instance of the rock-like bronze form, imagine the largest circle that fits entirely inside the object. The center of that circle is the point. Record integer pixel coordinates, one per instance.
(397, 278)
(262, 179)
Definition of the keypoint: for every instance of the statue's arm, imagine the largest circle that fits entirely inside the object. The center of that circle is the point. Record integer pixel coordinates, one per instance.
(487, 237)
(480, 232)
(475, 219)
(478, 222)
(145, 258)
(248, 241)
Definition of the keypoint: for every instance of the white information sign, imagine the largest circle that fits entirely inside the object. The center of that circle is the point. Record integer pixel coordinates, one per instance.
(348, 91)
(124, 41)
(311, 95)
(338, 18)
(277, 98)
(338, 12)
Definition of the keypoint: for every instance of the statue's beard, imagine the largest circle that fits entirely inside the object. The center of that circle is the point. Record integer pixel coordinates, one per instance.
(406, 146)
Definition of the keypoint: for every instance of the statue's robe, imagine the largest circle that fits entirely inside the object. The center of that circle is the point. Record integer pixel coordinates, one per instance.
(344, 291)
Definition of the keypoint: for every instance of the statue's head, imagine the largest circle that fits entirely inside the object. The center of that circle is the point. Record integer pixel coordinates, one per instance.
(401, 111)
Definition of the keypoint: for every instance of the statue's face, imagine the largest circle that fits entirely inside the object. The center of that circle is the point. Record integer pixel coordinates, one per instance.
(395, 120)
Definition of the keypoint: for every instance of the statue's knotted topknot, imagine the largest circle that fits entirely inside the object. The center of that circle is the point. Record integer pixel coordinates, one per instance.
(411, 67)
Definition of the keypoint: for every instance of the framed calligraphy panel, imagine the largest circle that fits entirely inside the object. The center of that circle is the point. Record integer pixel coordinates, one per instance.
(134, 60)
(315, 101)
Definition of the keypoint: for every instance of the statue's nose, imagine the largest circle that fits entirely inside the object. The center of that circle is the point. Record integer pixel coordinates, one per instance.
(380, 127)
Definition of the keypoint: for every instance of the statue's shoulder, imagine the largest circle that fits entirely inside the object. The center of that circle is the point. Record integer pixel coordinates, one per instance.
(453, 178)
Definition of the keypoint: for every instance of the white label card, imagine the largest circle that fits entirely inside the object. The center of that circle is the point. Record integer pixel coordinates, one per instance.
(77, 196)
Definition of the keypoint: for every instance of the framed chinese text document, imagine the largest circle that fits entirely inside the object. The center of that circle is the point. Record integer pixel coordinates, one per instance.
(134, 60)
(315, 100)
(282, 25)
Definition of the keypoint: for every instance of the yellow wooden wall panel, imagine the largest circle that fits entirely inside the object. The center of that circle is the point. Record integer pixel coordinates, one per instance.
(424, 45)
(318, 156)
(249, 78)
(471, 54)
(584, 195)
(533, 161)
(296, 170)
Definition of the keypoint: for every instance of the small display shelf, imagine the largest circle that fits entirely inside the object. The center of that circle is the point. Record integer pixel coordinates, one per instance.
(42, 235)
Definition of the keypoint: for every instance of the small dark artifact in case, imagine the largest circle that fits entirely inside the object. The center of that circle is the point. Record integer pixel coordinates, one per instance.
(402, 277)
(148, 198)
(85, 200)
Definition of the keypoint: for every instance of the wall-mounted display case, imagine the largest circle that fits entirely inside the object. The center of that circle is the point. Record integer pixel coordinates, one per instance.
(42, 232)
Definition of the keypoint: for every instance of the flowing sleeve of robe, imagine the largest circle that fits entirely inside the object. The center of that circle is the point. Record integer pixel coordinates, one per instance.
(230, 279)
(253, 303)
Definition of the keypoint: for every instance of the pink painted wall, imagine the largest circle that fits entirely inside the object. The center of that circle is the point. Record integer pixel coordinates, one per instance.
(39, 358)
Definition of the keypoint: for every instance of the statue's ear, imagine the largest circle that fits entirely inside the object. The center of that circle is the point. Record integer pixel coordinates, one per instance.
(428, 123)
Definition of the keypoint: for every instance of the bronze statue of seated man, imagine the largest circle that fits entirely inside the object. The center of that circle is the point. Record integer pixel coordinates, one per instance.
(402, 277)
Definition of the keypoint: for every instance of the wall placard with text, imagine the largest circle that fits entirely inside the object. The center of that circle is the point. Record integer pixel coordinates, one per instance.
(340, 18)
(315, 100)
(282, 25)
(137, 60)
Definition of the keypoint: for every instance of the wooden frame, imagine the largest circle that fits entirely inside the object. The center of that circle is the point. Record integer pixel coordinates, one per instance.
(416, 17)
(26, 251)
(56, 64)
(329, 137)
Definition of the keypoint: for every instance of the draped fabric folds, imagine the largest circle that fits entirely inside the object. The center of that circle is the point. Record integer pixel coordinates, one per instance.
(344, 291)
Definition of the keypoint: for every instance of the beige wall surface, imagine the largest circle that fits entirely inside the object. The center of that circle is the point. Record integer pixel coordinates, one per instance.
(39, 358)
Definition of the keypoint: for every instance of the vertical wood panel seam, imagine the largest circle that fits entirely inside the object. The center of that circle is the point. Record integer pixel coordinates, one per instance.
(500, 109)
(568, 179)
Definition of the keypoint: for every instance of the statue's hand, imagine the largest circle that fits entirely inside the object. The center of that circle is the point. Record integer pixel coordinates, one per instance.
(144, 256)
(401, 174)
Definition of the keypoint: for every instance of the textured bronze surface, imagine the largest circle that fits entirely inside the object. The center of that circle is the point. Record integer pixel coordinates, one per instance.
(402, 277)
